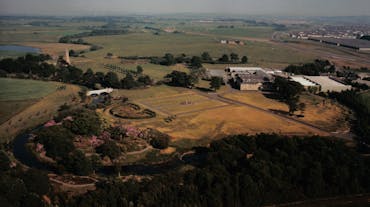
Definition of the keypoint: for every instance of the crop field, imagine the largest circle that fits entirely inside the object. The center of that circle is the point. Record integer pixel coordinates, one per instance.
(28, 103)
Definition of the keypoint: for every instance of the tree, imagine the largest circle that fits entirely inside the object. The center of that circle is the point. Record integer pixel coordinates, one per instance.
(216, 83)
(85, 122)
(37, 181)
(180, 79)
(206, 56)
(301, 107)
(88, 78)
(139, 69)
(129, 82)
(4, 161)
(111, 80)
(234, 57)
(145, 80)
(57, 141)
(244, 59)
(196, 62)
(288, 92)
(160, 142)
(110, 149)
(168, 59)
(292, 104)
(224, 58)
(77, 163)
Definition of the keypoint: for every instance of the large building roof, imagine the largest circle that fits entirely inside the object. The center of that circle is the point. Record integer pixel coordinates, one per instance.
(303, 81)
(353, 43)
(328, 84)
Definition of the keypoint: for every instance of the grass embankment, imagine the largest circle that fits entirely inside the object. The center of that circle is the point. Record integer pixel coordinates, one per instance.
(28, 103)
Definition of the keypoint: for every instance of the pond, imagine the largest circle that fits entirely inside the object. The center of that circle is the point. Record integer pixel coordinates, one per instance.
(19, 48)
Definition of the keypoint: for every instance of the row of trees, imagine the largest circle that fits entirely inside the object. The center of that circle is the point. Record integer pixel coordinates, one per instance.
(35, 67)
(313, 69)
(196, 61)
(246, 171)
(360, 106)
(58, 140)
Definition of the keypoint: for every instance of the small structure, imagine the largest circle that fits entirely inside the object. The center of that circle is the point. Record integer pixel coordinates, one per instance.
(66, 57)
(98, 92)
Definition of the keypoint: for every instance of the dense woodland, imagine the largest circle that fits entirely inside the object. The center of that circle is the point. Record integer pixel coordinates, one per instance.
(246, 171)
(353, 100)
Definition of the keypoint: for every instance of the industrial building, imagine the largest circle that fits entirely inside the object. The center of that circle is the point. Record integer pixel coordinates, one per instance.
(322, 83)
(247, 78)
(357, 44)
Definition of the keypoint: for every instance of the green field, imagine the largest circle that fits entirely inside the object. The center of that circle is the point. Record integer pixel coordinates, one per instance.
(148, 44)
(16, 89)
(16, 95)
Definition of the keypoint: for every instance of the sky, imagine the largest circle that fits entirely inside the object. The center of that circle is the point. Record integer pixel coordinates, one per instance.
(244, 7)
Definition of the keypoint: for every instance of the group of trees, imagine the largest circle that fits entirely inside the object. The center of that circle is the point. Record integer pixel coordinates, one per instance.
(181, 79)
(289, 92)
(246, 171)
(58, 140)
(20, 188)
(77, 38)
(233, 58)
(360, 106)
(313, 69)
(35, 67)
(196, 61)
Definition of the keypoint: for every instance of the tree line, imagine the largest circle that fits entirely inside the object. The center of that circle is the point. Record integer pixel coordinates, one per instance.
(35, 67)
(246, 170)
(311, 69)
(196, 61)
(361, 107)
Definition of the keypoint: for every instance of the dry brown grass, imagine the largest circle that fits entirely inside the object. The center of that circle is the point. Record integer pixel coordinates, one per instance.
(319, 111)
(208, 123)
(39, 112)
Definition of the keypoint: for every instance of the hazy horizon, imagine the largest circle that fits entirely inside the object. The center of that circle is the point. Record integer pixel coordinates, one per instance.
(232, 7)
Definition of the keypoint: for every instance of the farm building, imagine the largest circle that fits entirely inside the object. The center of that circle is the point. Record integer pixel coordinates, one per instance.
(247, 78)
(327, 84)
(322, 83)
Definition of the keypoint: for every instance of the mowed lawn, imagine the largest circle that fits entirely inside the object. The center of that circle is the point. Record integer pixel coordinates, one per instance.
(16, 95)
